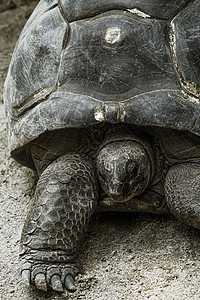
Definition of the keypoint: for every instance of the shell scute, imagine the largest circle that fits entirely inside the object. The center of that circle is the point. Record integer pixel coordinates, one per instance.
(83, 62)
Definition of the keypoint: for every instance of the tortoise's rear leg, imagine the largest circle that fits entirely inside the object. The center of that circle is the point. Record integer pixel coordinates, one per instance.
(182, 191)
(65, 198)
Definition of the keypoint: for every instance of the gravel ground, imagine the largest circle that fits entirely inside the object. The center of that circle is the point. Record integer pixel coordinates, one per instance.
(124, 256)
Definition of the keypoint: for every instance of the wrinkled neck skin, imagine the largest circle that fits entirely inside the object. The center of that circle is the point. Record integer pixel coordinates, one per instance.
(125, 166)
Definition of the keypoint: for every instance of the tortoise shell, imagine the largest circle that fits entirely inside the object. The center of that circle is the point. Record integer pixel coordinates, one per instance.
(80, 63)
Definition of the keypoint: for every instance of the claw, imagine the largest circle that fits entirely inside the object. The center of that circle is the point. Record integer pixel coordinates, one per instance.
(56, 284)
(69, 283)
(26, 276)
(40, 282)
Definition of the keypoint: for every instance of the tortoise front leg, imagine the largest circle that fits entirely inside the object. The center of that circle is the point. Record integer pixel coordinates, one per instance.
(182, 191)
(65, 198)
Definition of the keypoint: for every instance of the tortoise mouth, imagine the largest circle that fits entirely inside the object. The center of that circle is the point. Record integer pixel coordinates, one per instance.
(123, 195)
(125, 191)
(120, 199)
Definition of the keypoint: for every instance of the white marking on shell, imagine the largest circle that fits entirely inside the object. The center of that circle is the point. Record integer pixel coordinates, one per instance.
(113, 35)
(41, 92)
(190, 98)
(121, 113)
(139, 13)
(99, 115)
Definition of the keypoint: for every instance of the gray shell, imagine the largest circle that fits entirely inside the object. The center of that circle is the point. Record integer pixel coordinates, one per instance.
(78, 63)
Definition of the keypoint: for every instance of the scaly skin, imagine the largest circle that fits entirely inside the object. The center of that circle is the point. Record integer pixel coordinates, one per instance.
(65, 198)
(182, 188)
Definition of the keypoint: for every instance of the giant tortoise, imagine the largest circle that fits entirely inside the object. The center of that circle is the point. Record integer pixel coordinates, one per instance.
(102, 99)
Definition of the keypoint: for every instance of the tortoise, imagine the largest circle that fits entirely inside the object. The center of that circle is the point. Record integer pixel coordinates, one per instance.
(102, 100)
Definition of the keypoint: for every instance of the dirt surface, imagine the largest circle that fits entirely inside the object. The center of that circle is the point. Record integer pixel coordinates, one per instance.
(125, 256)
(9, 4)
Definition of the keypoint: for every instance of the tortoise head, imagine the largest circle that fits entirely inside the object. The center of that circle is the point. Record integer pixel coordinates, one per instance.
(124, 169)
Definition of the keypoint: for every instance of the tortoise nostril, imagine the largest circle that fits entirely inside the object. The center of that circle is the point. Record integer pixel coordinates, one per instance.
(115, 189)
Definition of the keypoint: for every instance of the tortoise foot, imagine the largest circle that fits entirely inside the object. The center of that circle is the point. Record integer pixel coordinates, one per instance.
(182, 187)
(48, 275)
(65, 199)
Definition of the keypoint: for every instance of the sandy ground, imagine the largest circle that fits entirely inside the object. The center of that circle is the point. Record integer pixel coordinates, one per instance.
(125, 256)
